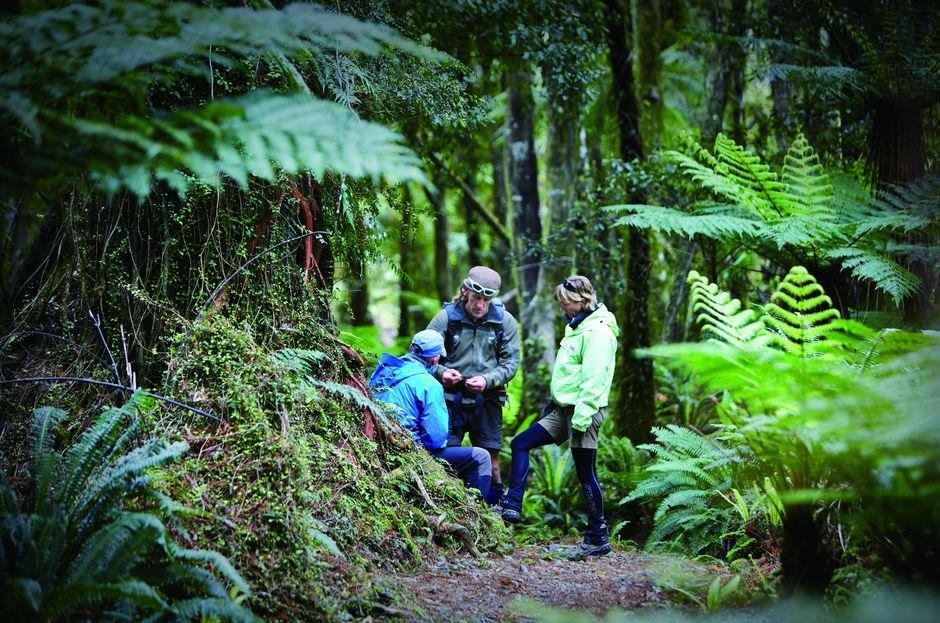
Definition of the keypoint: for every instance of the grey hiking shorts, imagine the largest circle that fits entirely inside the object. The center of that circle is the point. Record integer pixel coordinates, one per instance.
(557, 421)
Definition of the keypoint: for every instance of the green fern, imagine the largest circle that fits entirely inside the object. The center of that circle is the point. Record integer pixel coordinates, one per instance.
(688, 480)
(830, 411)
(79, 547)
(722, 317)
(799, 313)
(805, 210)
(99, 61)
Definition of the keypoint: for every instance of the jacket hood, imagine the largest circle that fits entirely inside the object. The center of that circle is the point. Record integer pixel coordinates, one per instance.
(392, 370)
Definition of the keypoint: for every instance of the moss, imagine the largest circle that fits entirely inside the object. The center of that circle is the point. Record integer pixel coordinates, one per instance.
(291, 489)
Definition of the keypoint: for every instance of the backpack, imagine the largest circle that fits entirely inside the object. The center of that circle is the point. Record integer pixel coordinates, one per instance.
(452, 333)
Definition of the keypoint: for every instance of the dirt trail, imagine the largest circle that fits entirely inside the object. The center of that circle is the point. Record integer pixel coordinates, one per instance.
(481, 590)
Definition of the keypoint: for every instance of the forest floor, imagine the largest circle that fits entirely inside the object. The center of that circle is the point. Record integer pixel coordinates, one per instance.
(493, 589)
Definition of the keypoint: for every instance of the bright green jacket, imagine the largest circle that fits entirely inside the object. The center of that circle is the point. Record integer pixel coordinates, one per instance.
(584, 366)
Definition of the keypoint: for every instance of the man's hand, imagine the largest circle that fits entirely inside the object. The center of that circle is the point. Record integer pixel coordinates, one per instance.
(451, 377)
(476, 384)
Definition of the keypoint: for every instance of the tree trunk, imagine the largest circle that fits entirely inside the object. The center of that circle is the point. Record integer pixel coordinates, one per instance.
(358, 293)
(649, 68)
(502, 252)
(406, 253)
(634, 414)
(472, 229)
(443, 278)
(896, 155)
(727, 77)
(523, 178)
(805, 563)
(562, 181)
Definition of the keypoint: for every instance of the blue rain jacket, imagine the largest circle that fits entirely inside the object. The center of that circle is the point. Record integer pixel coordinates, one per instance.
(417, 397)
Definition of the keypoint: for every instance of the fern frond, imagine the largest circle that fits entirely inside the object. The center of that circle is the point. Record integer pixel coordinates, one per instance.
(246, 136)
(219, 563)
(118, 480)
(685, 497)
(799, 312)
(887, 275)
(807, 185)
(116, 548)
(41, 444)
(86, 457)
(722, 317)
(82, 595)
(303, 361)
(672, 221)
(115, 50)
(212, 609)
(349, 393)
(806, 210)
(747, 170)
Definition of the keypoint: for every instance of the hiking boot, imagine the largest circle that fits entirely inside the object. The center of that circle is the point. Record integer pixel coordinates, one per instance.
(595, 547)
(511, 515)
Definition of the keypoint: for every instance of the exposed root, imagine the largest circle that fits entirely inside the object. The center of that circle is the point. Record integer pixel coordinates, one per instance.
(444, 527)
(424, 492)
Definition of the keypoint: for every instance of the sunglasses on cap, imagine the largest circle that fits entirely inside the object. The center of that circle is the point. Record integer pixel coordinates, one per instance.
(487, 292)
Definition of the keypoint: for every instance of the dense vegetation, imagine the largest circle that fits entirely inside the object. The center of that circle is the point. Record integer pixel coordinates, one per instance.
(217, 214)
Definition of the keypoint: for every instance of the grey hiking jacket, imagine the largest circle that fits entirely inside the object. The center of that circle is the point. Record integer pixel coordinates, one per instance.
(489, 348)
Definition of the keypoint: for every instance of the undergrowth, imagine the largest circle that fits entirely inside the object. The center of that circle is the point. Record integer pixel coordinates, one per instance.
(306, 485)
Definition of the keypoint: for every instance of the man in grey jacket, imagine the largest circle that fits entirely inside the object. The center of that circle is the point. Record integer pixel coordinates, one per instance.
(482, 342)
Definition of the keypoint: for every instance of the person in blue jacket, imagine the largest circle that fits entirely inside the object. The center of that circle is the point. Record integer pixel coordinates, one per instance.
(417, 399)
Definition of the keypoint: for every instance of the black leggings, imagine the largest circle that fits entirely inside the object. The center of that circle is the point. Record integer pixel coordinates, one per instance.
(585, 467)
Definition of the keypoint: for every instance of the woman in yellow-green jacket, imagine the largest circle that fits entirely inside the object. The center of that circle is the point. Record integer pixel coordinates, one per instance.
(584, 369)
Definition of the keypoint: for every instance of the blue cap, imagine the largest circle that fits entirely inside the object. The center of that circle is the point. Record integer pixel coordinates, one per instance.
(428, 343)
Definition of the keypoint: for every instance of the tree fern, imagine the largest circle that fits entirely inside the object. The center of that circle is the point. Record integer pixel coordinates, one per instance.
(79, 547)
(829, 411)
(804, 210)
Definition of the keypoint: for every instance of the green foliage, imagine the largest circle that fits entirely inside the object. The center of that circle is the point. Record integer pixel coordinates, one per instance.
(800, 211)
(75, 101)
(681, 401)
(691, 480)
(90, 540)
(722, 318)
(301, 486)
(832, 415)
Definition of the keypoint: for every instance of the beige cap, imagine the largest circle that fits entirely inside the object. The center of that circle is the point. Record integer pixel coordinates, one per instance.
(483, 280)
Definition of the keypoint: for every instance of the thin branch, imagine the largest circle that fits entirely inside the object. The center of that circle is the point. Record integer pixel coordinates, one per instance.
(58, 337)
(488, 216)
(57, 379)
(117, 376)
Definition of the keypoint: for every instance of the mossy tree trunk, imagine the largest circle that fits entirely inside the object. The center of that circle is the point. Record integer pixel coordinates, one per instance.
(523, 181)
(634, 414)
